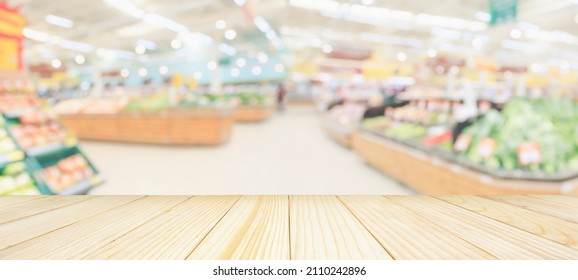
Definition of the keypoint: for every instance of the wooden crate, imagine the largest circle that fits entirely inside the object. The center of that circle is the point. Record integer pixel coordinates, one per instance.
(253, 114)
(432, 175)
(180, 127)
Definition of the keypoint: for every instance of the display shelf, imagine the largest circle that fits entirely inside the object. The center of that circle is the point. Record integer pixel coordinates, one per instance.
(432, 174)
(46, 149)
(340, 133)
(175, 127)
(83, 187)
(253, 113)
(290, 228)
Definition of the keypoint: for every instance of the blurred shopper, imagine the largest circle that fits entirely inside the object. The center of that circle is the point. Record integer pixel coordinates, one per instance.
(281, 93)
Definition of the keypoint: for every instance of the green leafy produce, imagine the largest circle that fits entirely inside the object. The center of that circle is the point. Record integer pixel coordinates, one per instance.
(154, 103)
(406, 131)
(376, 123)
(14, 168)
(551, 123)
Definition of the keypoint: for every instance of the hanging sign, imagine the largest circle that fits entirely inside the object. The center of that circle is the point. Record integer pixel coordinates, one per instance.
(502, 11)
(11, 26)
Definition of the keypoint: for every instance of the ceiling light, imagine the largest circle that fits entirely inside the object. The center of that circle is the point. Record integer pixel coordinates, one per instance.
(367, 2)
(240, 2)
(198, 75)
(124, 73)
(221, 24)
(235, 72)
(516, 34)
(163, 70)
(241, 62)
(432, 53)
(35, 35)
(147, 44)
(56, 63)
(256, 70)
(140, 49)
(230, 34)
(126, 7)
(59, 21)
(75, 46)
(454, 70)
(143, 72)
(401, 56)
(263, 58)
(212, 65)
(176, 44)
(279, 68)
(80, 59)
(327, 48)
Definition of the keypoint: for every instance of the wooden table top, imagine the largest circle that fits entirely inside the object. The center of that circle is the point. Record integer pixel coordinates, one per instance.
(289, 227)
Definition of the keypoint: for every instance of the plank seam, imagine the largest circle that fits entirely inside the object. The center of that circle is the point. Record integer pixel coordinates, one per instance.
(533, 210)
(211, 230)
(48, 210)
(365, 227)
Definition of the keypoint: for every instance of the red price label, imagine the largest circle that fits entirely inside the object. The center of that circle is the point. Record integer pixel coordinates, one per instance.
(462, 143)
(486, 148)
(529, 153)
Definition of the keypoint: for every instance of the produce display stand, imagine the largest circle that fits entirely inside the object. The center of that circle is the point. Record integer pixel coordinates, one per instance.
(433, 173)
(340, 133)
(253, 113)
(171, 127)
(289, 228)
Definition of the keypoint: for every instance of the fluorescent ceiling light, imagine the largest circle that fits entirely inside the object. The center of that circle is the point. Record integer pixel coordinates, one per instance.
(256, 70)
(176, 44)
(35, 35)
(230, 34)
(391, 40)
(401, 56)
(126, 7)
(485, 17)
(432, 53)
(56, 63)
(163, 70)
(263, 58)
(446, 33)
(221, 24)
(262, 24)
(226, 49)
(59, 21)
(143, 72)
(515, 45)
(124, 73)
(158, 20)
(240, 2)
(241, 62)
(75, 46)
(147, 44)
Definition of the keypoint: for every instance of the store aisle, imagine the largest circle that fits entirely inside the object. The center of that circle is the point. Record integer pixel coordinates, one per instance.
(289, 154)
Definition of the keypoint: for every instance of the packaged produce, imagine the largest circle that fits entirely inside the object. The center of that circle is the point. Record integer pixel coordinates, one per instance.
(14, 179)
(67, 172)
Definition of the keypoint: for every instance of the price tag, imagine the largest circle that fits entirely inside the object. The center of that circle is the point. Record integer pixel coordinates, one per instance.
(529, 153)
(462, 143)
(486, 148)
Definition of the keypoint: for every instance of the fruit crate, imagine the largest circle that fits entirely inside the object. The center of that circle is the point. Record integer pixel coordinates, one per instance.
(28, 169)
(40, 162)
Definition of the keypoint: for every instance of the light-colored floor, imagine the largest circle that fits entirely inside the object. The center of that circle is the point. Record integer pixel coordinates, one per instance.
(289, 154)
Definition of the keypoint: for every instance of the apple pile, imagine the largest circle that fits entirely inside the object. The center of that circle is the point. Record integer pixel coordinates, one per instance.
(18, 103)
(30, 136)
(67, 172)
(35, 118)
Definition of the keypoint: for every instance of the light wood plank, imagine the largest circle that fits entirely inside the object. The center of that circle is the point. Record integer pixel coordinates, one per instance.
(31, 227)
(407, 235)
(323, 228)
(496, 238)
(567, 200)
(32, 207)
(7, 201)
(256, 228)
(78, 240)
(549, 227)
(551, 208)
(172, 235)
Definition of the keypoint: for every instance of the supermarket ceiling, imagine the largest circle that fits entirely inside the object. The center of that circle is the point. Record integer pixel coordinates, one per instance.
(545, 29)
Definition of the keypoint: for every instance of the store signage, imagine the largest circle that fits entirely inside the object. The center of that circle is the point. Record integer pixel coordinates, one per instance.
(502, 11)
(11, 26)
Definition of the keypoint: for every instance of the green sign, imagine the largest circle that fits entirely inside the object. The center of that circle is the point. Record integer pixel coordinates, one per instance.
(503, 11)
(225, 61)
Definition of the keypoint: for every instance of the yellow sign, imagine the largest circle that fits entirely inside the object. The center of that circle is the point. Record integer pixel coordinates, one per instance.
(9, 54)
(11, 23)
(177, 81)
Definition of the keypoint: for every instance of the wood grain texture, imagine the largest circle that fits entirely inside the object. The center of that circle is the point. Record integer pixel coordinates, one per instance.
(288, 227)
(30, 227)
(549, 227)
(322, 228)
(35, 206)
(172, 235)
(9, 200)
(256, 228)
(567, 200)
(498, 239)
(78, 240)
(407, 235)
(547, 207)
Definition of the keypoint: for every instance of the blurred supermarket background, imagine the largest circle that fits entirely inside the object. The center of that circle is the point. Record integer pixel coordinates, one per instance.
(288, 97)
